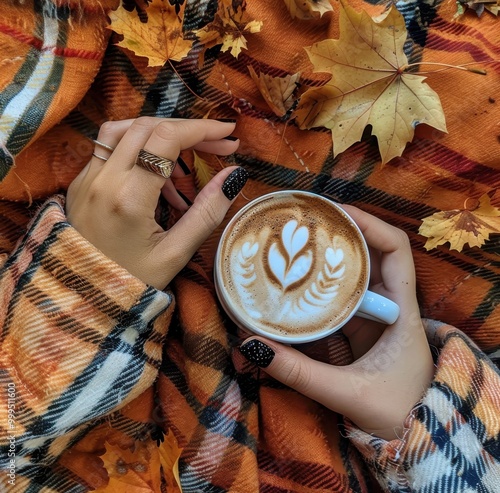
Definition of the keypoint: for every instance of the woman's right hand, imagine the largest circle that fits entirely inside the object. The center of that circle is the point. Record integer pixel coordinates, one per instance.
(393, 366)
(112, 202)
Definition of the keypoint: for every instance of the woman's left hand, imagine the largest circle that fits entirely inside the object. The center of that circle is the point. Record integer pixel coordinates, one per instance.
(112, 202)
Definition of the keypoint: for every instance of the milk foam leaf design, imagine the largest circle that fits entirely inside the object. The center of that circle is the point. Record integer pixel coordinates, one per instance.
(291, 267)
(326, 285)
(244, 269)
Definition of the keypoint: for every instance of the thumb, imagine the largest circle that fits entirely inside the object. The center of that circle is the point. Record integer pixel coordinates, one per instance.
(319, 381)
(182, 240)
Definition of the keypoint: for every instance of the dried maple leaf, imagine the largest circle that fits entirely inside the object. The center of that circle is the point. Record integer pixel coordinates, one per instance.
(160, 39)
(229, 27)
(308, 9)
(369, 86)
(277, 91)
(134, 470)
(461, 226)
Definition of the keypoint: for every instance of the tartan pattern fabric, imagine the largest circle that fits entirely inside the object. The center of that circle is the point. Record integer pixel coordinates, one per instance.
(80, 338)
(241, 431)
(451, 441)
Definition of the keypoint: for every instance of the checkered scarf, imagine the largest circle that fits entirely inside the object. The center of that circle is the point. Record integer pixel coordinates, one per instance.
(72, 321)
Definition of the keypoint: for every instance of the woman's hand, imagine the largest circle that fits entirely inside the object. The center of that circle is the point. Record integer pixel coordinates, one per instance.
(112, 202)
(393, 366)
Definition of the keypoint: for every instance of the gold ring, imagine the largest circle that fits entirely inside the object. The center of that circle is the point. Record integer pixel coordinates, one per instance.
(109, 148)
(156, 164)
(99, 157)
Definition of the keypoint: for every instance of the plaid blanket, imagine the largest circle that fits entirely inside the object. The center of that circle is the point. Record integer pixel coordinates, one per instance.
(72, 321)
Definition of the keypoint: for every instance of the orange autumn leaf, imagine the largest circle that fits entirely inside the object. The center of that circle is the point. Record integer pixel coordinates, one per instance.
(461, 226)
(159, 39)
(169, 458)
(277, 91)
(134, 470)
(369, 85)
(308, 9)
(203, 172)
(229, 28)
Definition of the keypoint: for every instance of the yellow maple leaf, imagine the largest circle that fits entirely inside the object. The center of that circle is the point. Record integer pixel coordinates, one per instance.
(170, 453)
(462, 226)
(228, 28)
(369, 86)
(277, 91)
(308, 9)
(135, 470)
(203, 172)
(159, 39)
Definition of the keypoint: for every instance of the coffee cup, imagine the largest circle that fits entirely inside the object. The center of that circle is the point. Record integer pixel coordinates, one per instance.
(293, 266)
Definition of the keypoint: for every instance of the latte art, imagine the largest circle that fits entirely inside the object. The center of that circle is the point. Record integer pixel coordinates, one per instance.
(292, 266)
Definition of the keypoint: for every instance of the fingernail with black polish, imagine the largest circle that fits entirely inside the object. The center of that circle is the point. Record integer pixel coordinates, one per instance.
(257, 352)
(231, 137)
(234, 183)
(226, 120)
(183, 197)
(182, 164)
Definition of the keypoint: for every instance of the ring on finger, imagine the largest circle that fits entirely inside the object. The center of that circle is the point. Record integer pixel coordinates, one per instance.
(156, 164)
(99, 157)
(102, 144)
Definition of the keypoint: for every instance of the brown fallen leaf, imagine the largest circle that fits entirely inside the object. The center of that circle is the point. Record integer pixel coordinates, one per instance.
(462, 226)
(160, 39)
(277, 91)
(229, 27)
(308, 9)
(369, 86)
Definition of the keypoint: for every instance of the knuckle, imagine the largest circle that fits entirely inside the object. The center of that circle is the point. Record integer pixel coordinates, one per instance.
(296, 375)
(402, 238)
(208, 214)
(145, 122)
(107, 129)
(167, 131)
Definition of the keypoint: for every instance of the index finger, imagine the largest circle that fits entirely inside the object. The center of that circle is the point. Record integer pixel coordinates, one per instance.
(397, 268)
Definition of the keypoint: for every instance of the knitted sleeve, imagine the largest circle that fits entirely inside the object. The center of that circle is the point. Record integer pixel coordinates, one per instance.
(451, 440)
(80, 337)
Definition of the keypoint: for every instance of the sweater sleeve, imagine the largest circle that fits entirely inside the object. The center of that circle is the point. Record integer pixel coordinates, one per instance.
(451, 440)
(80, 337)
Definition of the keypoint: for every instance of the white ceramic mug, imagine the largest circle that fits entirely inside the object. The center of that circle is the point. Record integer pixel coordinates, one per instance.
(293, 266)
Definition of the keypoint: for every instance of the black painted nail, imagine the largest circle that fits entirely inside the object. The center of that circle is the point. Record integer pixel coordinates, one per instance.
(257, 352)
(231, 137)
(226, 120)
(184, 167)
(183, 197)
(234, 183)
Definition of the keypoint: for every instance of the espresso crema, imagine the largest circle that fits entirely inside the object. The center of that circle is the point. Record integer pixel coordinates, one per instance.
(292, 265)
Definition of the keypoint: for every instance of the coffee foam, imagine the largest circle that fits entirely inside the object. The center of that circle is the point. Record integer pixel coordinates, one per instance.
(292, 265)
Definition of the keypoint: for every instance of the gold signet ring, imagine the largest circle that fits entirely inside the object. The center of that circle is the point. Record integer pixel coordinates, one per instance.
(156, 164)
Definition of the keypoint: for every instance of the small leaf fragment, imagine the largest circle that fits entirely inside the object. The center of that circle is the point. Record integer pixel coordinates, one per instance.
(277, 91)
(308, 9)
(203, 172)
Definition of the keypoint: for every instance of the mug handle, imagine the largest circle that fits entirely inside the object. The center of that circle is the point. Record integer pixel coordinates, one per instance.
(378, 308)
